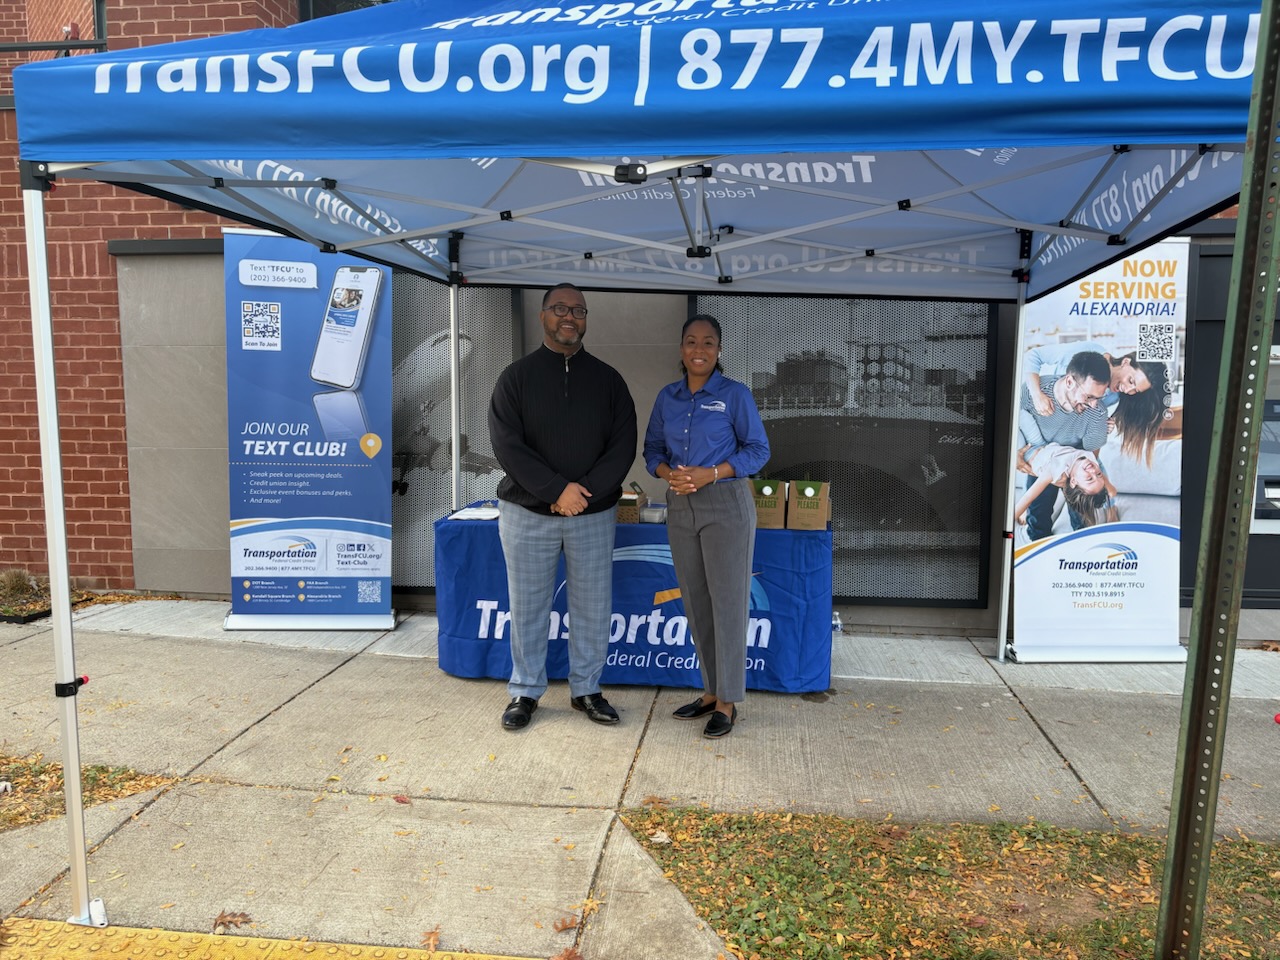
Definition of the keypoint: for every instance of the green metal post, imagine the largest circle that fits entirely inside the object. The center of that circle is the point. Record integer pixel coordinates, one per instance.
(1224, 537)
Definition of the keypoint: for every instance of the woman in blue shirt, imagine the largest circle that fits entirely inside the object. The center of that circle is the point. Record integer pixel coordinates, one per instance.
(705, 437)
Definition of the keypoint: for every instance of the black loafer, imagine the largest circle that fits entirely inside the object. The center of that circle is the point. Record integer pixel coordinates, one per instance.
(719, 724)
(595, 706)
(692, 711)
(518, 713)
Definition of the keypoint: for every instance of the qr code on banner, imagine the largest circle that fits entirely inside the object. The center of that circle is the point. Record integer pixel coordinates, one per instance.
(1155, 342)
(259, 325)
(368, 591)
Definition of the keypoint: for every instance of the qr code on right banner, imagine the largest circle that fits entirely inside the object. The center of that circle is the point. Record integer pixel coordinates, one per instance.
(1156, 342)
(259, 325)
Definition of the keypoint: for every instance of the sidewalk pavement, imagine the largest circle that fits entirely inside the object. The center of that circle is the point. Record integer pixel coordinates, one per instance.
(292, 747)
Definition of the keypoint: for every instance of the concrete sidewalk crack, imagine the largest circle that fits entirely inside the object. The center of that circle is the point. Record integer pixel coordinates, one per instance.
(1053, 744)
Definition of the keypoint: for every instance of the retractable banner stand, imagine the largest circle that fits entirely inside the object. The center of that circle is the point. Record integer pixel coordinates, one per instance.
(1100, 465)
(308, 408)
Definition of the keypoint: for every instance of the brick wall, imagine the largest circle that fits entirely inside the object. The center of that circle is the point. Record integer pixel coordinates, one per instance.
(80, 219)
(46, 19)
(13, 29)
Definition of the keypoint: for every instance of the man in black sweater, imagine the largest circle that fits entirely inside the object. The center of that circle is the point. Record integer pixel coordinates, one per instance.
(563, 427)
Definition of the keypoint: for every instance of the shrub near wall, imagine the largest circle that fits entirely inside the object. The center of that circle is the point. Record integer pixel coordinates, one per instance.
(80, 219)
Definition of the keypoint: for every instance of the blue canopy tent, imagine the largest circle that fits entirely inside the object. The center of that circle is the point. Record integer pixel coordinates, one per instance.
(757, 146)
(685, 144)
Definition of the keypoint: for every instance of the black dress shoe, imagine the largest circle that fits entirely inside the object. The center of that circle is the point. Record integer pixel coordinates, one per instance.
(719, 724)
(518, 713)
(692, 711)
(595, 706)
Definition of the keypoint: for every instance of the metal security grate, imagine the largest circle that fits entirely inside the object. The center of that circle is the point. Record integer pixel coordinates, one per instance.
(888, 401)
(421, 428)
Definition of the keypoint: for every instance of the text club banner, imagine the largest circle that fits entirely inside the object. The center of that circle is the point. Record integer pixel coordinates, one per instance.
(308, 408)
(1096, 563)
(788, 634)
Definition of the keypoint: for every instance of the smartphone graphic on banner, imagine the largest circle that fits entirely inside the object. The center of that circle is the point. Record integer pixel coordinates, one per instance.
(348, 323)
(341, 414)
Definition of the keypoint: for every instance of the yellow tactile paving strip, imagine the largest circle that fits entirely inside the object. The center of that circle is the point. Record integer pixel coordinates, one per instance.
(24, 939)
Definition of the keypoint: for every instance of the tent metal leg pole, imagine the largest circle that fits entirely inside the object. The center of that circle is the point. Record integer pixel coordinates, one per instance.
(1011, 492)
(87, 912)
(455, 401)
(1224, 538)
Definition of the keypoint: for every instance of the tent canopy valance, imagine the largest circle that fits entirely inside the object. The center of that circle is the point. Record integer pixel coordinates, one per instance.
(894, 148)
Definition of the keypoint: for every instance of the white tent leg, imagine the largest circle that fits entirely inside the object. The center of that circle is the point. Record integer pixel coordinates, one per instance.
(455, 401)
(1011, 494)
(87, 912)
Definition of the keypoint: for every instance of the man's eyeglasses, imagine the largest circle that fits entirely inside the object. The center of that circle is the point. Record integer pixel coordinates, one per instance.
(563, 310)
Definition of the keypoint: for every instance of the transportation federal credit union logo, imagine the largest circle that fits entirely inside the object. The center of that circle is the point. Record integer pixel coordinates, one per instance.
(280, 547)
(660, 554)
(1104, 558)
(656, 624)
(654, 621)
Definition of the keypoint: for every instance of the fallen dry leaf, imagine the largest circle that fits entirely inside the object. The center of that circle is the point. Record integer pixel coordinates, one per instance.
(565, 923)
(568, 953)
(401, 798)
(431, 939)
(225, 919)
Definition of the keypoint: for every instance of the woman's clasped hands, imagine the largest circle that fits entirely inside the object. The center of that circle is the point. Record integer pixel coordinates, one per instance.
(685, 480)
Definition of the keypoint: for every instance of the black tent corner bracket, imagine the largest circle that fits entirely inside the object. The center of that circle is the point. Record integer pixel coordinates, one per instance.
(1024, 244)
(69, 689)
(36, 176)
(631, 173)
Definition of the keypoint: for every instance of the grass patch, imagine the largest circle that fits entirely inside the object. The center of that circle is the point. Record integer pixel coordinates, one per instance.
(777, 886)
(23, 594)
(35, 792)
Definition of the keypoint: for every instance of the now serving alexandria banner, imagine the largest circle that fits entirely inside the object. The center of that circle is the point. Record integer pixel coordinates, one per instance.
(1099, 466)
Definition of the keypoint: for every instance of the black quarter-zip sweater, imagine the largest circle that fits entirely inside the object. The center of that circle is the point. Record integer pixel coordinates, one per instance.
(555, 420)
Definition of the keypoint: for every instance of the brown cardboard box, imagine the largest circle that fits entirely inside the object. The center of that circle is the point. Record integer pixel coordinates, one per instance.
(771, 507)
(629, 506)
(808, 505)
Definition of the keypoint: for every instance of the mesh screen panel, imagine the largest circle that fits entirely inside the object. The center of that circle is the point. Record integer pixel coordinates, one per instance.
(420, 418)
(888, 401)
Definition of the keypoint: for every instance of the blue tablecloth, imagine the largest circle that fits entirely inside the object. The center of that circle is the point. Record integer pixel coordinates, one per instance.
(788, 641)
